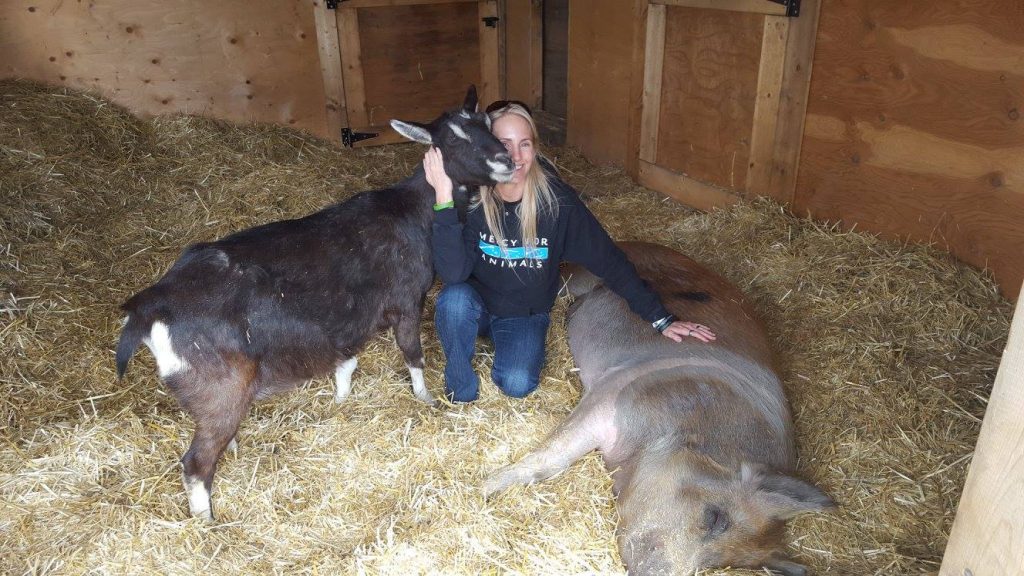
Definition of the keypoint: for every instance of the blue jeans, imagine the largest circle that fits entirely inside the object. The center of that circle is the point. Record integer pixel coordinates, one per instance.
(460, 316)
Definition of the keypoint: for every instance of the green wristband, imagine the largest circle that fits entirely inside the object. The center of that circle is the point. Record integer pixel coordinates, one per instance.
(444, 206)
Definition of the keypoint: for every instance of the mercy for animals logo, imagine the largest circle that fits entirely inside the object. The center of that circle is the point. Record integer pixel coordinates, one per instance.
(512, 254)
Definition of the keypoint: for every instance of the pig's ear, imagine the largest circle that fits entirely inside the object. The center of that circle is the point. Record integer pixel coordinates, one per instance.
(784, 496)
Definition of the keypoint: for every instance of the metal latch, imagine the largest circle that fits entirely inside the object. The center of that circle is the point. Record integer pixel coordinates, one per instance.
(349, 138)
(792, 7)
(332, 4)
(490, 21)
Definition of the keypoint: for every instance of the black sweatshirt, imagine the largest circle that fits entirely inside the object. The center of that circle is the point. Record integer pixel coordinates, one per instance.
(517, 283)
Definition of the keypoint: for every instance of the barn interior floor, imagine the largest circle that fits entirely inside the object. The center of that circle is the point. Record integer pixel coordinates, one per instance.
(888, 352)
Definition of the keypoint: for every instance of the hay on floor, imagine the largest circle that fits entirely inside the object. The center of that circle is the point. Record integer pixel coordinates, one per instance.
(888, 350)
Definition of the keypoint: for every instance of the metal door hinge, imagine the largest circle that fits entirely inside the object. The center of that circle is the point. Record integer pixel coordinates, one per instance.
(490, 21)
(792, 7)
(349, 138)
(332, 4)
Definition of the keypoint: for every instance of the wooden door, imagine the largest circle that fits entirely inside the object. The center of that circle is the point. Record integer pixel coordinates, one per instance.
(405, 59)
(722, 90)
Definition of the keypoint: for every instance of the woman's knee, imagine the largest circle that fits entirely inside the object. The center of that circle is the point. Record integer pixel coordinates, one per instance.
(518, 382)
(457, 302)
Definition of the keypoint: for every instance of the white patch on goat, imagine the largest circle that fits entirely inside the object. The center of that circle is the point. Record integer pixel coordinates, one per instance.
(343, 379)
(198, 497)
(500, 171)
(419, 387)
(159, 343)
(459, 132)
(464, 114)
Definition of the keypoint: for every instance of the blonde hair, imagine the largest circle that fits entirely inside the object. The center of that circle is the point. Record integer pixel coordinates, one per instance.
(539, 199)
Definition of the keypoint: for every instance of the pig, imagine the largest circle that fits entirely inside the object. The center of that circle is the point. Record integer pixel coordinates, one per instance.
(698, 435)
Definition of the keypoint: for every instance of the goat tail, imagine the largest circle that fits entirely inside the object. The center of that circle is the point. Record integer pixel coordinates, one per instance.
(134, 330)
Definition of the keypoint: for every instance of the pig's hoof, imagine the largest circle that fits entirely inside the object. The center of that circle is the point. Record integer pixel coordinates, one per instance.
(498, 481)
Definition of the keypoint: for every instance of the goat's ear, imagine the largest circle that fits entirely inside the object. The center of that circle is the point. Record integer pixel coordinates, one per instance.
(413, 131)
(471, 104)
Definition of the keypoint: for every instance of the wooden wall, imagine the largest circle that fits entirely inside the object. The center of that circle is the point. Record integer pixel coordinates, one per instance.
(253, 60)
(914, 126)
(600, 61)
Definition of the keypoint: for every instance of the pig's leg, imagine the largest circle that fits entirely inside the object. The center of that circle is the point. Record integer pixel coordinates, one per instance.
(584, 430)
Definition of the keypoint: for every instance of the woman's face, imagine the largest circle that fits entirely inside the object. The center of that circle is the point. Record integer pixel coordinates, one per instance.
(514, 132)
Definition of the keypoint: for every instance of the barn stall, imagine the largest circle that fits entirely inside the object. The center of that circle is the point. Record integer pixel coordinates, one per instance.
(856, 167)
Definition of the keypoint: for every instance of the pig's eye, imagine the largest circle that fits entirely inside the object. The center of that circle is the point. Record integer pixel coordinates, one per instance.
(716, 521)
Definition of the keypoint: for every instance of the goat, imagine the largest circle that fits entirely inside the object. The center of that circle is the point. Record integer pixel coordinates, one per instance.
(262, 310)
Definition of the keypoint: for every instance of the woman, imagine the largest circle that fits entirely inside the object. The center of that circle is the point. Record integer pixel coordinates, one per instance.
(500, 268)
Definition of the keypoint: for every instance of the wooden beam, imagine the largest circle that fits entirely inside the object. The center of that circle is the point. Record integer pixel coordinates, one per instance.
(988, 532)
(654, 58)
(796, 84)
(523, 42)
(330, 67)
(636, 89)
(353, 4)
(684, 189)
(766, 104)
(536, 53)
(489, 89)
(756, 6)
(352, 64)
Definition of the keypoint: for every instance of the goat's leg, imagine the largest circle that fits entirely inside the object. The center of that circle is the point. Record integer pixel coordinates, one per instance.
(343, 379)
(407, 334)
(217, 405)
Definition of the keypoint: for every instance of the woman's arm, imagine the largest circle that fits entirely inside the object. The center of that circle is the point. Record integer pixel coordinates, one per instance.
(588, 243)
(452, 255)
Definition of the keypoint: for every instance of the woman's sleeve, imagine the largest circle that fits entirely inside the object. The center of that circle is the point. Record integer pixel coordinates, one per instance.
(452, 247)
(588, 243)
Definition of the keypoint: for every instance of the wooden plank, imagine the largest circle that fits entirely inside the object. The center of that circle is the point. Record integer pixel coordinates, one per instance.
(352, 65)
(243, 62)
(988, 533)
(418, 60)
(536, 54)
(634, 113)
(766, 106)
(709, 86)
(555, 69)
(599, 78)
(754, 6)
(914, 127)
(684, 189)
(654, 59)
(355, 4)
(796, 82)
(519, 47)
(330, 68)
(488, 90)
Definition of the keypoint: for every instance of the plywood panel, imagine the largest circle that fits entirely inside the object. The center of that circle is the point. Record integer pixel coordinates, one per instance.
(914, 126)
(988, 534)
(410, 73)
(600, 62)
(556, 56)
(709, 88)
(252, 61)
(523, 51)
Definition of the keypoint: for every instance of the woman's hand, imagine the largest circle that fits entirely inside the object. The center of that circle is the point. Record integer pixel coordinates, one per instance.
(679, 330)
(433, 165)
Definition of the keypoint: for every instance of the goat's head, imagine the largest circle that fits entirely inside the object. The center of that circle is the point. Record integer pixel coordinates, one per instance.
(472, 155)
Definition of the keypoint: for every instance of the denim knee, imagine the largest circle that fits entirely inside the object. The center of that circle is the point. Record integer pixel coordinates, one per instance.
(456, 303)
(517, 382)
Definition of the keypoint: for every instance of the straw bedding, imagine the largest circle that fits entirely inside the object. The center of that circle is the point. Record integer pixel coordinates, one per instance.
(888, 352)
